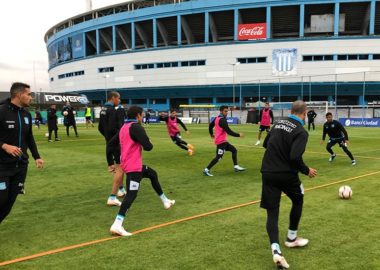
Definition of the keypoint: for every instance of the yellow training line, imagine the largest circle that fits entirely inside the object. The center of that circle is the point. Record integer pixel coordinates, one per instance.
(53, 251)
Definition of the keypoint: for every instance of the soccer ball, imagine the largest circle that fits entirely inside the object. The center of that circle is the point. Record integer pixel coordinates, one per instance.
(46, 135)
(65, 113)
(345, 192)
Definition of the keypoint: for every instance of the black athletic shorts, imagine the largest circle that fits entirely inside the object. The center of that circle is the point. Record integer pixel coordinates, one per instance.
(176, 137)
(275, 183)
(341, 142)
(88, 118)
(223, 147)
(134, 178)
(264, 128)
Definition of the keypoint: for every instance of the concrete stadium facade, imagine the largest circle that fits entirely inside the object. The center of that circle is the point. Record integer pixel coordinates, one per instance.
(159, 54)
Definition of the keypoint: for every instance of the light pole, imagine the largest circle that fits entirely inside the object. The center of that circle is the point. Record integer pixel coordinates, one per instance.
(259, 95)
(364, 88)
(309, 88)
(336, 95)
(106, 76)
(233, 81)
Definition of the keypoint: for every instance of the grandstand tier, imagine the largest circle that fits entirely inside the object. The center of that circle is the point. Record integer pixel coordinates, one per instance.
(164, 53)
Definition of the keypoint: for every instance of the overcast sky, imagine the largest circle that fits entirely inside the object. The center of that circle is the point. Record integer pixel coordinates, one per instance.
(23, 24)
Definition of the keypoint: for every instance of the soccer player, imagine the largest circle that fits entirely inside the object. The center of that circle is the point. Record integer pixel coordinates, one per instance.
(16, 136)
(52, 122)
(220, 139)
(69, 113)
(147, 118)
(174, 132)
(266, 118)
(37, 119)
(285, 145)
(310, 119)
(88, 115)
(110, 122)
(338, 135)
(133, 138)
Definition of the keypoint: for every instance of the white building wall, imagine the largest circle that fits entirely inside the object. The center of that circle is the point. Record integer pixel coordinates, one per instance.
(218, 68)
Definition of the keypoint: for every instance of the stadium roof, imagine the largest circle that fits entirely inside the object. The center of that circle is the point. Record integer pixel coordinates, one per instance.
(128, 5)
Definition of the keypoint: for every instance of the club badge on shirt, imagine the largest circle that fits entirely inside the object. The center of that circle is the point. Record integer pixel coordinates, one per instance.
(26, 120)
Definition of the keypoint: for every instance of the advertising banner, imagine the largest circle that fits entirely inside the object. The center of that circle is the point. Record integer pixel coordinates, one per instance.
(78, 120)
(61, 99)
(360, 122)
(252, 31)
(230, 120)
(284, 62)
(77, 46)
(61, 51)
(186, 120)
(153, 120)
(67, 49)
(53, 54)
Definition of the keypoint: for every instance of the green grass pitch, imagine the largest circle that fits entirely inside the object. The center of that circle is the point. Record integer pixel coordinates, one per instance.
(65, 204)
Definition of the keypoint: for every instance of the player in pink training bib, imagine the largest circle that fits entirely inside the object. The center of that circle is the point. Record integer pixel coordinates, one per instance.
(266, 118)
(172, 122)
(133, 138)
(220, 139)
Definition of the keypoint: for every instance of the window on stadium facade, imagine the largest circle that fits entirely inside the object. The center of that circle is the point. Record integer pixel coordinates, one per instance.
(71, 74)
(309, 58)
(171, 64)
(252, 60)
(105, 69)
(353, 57)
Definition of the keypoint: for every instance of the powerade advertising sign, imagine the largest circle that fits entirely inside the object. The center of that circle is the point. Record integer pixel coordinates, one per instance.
(63, 98)
(360, 122)
(230, 120)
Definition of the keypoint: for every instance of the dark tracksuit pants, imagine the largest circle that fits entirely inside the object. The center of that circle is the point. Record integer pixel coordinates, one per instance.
(11, 184)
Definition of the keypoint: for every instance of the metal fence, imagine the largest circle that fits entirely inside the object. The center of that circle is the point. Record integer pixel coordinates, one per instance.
(338, 89)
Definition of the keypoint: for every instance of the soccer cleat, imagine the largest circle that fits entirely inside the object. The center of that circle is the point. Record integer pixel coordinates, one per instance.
(49, 140)
(280, 261)
(258, 142)
(237, 168)
(332, 157)
(113, 202)
(353, 163)
(298, 242)
(168, 204)
(121, 192)
(57, 139)
(190, 152)
(206, 172)
(190, 146)
(119, 230)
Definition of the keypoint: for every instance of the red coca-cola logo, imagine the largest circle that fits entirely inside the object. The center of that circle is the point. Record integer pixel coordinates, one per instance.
(255, 31)
(252, 31)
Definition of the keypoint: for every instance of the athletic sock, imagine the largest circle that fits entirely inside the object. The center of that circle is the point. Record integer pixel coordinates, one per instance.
(292, 235)
(163, 197)
(275, 248)
(119, 220)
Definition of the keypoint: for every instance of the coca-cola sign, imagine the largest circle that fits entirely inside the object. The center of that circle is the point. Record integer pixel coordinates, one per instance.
(252, 31)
